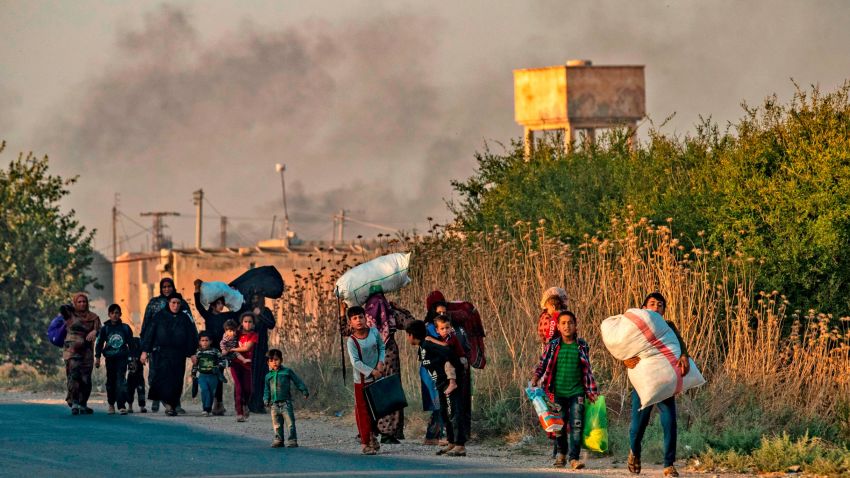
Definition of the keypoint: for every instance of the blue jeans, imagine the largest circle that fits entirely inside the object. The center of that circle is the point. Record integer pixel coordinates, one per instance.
(640, 420)
(435, 428)
(572, 410)
(283, 417)
(207, 383)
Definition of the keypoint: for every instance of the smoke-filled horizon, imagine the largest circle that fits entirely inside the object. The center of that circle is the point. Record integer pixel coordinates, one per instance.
(373, 112)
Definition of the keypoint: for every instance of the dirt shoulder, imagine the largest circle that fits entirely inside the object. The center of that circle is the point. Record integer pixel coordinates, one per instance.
(339, 434)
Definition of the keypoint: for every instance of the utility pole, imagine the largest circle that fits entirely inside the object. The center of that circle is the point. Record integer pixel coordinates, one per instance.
(339, 223)
(158, 226)
(223, 232)
(115, 228)
(198, 197)
(281, 168)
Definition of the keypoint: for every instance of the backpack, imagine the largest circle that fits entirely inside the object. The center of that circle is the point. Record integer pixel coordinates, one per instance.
(467, 316)
(56, 331)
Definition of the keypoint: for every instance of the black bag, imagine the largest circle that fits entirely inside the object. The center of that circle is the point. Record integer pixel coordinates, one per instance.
(383, 396)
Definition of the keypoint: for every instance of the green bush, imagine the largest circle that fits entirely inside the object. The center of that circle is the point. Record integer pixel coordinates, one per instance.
(775, 186)
(781, 453)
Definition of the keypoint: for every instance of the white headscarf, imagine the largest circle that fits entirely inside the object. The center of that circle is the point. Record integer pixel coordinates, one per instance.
(553, 292)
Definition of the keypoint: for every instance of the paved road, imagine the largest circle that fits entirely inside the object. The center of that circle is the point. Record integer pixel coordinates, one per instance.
(47, 441)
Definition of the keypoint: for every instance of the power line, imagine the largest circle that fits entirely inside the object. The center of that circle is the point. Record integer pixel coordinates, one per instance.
(148, 229)
(109, 247)
(213, 207)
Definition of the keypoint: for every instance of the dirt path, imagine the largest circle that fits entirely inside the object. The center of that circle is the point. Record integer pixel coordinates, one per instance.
(339, 434)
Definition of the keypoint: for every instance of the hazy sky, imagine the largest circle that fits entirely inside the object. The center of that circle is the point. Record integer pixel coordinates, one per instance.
(373, 106)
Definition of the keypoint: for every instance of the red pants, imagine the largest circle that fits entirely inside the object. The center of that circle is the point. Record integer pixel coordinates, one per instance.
(241, 386)
(365, 425)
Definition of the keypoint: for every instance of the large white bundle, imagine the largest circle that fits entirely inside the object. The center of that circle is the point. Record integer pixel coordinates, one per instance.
(389, 272)
(645, 334)
(212, 291)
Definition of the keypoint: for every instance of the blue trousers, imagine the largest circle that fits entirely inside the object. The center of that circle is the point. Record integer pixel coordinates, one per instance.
(640, 420)
(572, 410)
(207, 383)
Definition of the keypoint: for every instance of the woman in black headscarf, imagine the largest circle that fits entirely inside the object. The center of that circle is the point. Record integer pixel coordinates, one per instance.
(172, 336)
(155, 305)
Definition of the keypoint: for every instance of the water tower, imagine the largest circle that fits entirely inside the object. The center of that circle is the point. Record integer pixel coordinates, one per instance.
(578, 96)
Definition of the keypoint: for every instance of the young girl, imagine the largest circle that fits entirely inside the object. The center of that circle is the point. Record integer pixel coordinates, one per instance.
(567, 379)
(554, 301)
(241, 371)
(367, 351)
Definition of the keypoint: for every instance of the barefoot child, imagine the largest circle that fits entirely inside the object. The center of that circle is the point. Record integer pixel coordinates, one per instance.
(443, 327)
(366, 350)
(566, 374)
(278, 398)
(433, 356)
(208, 371)
(230, 341)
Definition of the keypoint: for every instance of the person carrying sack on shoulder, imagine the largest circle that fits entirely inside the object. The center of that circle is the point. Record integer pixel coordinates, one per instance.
(367, 352)
(640, 418)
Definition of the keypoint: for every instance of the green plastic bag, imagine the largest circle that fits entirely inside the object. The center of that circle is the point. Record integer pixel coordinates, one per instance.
(595, 435)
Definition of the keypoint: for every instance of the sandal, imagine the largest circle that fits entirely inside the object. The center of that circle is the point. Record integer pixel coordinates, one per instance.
(443, 451)
(456, 451)
(368, 450)
(671, 471)
(634, 464)
(560, 461)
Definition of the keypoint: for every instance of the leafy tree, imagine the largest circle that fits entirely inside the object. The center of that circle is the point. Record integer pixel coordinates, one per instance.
(786, 196)
(45, 256)
(775, 186)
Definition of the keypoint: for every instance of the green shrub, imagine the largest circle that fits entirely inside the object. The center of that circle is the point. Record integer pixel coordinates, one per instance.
(780, 453)
(775, 185)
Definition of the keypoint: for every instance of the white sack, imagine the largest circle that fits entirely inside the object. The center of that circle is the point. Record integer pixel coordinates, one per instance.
(655, 379)
(211, 291)
(389, 272)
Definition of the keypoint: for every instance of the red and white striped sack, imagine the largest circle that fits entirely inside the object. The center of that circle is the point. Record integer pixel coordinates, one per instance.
(643, 333)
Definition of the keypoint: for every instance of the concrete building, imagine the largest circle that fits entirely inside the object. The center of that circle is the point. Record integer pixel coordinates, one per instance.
(136, 276)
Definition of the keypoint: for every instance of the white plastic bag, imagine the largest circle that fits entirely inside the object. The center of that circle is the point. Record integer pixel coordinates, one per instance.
(389, 272)
(212, 291)
(645, 334)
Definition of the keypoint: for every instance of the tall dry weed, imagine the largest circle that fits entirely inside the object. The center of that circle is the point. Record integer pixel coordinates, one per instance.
(737, 335)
